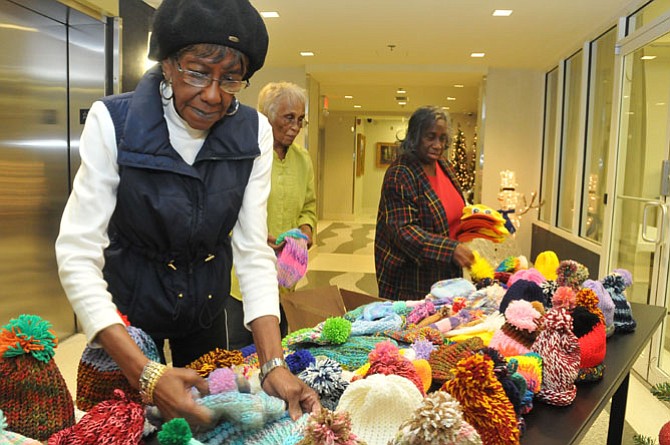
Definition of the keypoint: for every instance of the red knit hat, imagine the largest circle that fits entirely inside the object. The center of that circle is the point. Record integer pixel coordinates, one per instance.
(386, 359)
(113, 422)
(33, 393)
(559, 348)
(592, 335)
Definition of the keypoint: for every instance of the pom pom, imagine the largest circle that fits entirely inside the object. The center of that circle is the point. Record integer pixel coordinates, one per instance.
(336, 330)
(522, 315)
(423, 348)
(480, 268)
(564, 297)
(28, 334)
(329, 427)
(571, 273)
(222, 380)
(299, 360)
(175, 432)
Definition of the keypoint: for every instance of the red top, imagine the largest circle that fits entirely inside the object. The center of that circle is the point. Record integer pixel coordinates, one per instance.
(452, 201)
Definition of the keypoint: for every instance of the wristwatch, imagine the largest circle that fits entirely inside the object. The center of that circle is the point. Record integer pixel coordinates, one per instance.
(270, 365)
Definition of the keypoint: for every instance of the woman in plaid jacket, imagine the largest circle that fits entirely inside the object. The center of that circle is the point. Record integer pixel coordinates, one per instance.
(419, 212)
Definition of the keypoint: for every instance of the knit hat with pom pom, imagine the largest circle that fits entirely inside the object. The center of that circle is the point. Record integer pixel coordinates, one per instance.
(615, 284)
(559, 348)
(522, 290)
(520, 329)
(443, 359)
(98, 375)
(378, 405)
(386, 359)
(571, 273)
(33, 393)
(437, 421)
(605, 303)
(483, 398)
(590, 331)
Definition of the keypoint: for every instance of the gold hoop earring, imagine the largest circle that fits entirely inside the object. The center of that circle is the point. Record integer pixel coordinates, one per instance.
(234, 106)
(164, 87)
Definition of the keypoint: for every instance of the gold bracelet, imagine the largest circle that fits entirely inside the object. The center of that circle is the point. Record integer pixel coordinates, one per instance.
(151, 373)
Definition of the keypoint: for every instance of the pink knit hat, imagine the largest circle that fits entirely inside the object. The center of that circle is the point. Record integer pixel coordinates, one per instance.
(292, 262)
(559, 348)
(520, 329)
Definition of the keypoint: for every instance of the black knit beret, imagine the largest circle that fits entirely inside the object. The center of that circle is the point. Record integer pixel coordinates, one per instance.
(232, 23)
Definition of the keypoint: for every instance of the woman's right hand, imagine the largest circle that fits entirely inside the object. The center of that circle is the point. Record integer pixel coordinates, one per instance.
(173, 397)
(463, 256)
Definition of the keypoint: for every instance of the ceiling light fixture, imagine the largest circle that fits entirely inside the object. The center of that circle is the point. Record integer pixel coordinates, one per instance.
(647, 57)
(306, 53)
(357, 106)
(477, 54)
(451, 98)
(458, 85)
(402, 102)
(502, 13)
(269, 14)
(400, 91)
(348, 97)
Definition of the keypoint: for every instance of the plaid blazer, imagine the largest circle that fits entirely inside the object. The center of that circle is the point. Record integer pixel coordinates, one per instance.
(412, 245)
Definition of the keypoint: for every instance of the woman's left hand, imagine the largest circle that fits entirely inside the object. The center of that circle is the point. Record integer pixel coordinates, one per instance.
(299, 397)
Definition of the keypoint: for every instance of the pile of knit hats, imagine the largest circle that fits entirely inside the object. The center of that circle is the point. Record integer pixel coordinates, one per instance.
(33, 394)
(481, 221)
(98, 375)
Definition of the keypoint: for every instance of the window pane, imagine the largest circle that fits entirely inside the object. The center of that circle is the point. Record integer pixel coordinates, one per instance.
(647, 14)
(570, 149)
(549, 146)
(601, 80)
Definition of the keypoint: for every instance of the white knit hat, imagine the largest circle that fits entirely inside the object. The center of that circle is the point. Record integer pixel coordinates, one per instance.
(378, 405)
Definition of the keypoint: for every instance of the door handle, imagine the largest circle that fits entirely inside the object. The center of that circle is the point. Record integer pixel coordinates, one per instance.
(659, 233)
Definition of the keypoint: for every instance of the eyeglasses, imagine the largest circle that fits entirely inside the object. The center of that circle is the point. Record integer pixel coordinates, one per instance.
(200, 80)
(291, 120)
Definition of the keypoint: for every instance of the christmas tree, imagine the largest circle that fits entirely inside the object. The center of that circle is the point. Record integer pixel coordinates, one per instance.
(463, 163)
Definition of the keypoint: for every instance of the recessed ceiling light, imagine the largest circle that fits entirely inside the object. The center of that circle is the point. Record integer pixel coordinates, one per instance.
(357, 106)
(477, 54)
(458, 85)
(502, 13)
(445, 108)
(451, 98)
(647, 57)
(400, 91)
(269, 14)
(348, 97)
(306, 53)
(402, 102)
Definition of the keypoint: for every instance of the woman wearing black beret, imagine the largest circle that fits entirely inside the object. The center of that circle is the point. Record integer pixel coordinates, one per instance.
(173, 184)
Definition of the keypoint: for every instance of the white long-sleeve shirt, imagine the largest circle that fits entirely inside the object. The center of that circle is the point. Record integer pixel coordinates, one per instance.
(83, 231)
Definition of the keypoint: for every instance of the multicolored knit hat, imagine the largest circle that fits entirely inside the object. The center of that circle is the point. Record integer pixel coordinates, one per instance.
(443, 360)
(378, 405)
(485, 405)
(292, 259)
(33, 393)
(98, 375)
(530, 367)
(605, 303)
(520, 329)
(118, 421)
(590, 331)
(437, 421)
(615, 284)
(559, 348)
(571, 273)
(9, 438)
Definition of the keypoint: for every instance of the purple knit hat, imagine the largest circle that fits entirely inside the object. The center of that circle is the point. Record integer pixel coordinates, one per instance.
(605, 303)
(292, 262)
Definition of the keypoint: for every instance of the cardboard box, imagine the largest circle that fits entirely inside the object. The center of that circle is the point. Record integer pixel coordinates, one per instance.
(309, 307)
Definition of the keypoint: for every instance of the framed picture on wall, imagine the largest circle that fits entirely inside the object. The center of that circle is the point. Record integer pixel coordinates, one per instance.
(360, 154)
(386, 153)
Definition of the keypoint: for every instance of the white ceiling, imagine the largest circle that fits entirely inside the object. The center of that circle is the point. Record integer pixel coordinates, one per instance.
(431, 44)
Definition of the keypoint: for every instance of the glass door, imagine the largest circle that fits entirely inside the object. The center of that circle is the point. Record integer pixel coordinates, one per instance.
(639, 234)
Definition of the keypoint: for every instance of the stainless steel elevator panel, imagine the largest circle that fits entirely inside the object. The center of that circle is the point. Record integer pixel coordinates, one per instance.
(36, 131)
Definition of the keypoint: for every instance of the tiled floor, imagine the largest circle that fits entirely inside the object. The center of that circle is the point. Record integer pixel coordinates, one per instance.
(343, 256)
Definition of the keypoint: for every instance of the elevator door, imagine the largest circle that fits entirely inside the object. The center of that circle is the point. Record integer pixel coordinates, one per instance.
(41, 96)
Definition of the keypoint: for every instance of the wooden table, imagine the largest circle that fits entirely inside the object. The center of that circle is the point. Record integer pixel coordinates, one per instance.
(547, 424)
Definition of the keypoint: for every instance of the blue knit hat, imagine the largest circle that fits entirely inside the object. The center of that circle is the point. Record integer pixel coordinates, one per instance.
(615, 284)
